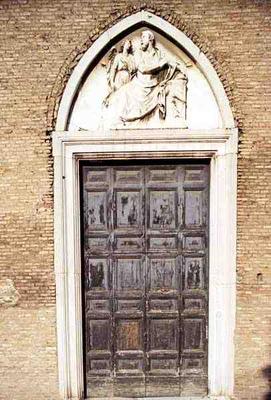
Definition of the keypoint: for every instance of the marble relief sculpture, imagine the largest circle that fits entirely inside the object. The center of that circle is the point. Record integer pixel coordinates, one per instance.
(144, 84)
(121, 67)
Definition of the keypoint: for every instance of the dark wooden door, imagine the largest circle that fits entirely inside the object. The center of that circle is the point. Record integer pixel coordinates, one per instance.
(145, 267)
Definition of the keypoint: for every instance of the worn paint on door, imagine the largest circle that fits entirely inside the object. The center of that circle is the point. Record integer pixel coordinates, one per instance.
(145, 268)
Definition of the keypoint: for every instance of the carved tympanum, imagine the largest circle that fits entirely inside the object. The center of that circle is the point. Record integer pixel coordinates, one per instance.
(144, 83)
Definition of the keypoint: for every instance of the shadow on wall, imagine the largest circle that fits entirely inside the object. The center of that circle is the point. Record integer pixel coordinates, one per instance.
(267, 374)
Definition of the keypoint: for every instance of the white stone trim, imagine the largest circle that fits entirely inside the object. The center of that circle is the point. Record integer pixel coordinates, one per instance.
(220, 147)
(152, 21)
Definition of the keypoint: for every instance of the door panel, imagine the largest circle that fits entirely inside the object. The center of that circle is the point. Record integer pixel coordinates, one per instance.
(145, 231)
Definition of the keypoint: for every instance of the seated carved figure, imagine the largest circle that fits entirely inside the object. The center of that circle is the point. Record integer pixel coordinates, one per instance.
(152, 84)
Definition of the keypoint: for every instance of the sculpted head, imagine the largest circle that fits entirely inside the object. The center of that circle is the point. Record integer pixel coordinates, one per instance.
(147, 40)
(127, 46)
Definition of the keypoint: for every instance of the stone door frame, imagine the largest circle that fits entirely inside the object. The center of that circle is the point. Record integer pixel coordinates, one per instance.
(217, 145)
(220, 148)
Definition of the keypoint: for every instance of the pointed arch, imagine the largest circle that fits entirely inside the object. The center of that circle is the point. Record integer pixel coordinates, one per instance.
(143, 18)
(219, 146)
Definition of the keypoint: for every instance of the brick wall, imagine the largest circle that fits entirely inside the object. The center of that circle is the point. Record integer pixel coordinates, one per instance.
(41, 41)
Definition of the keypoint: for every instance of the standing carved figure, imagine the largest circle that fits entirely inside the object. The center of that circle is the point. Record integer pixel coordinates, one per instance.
(120, 69)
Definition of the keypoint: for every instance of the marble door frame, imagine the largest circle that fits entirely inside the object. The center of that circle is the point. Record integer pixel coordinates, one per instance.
(217, 145)
(220, 148)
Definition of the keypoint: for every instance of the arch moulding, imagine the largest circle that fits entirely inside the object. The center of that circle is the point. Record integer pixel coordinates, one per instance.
(218, 145)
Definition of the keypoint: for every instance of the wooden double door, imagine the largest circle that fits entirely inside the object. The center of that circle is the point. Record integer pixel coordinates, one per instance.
(145, 268)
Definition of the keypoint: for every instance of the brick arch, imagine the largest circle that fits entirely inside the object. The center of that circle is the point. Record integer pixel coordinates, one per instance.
(70, 69)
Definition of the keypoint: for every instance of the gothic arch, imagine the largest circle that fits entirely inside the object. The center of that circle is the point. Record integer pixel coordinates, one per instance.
(219, 146)
(143, 18)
